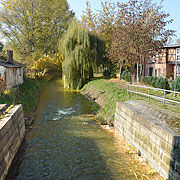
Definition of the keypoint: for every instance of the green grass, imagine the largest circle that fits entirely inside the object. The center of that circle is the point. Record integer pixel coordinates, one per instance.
(26, 94)
(112, 94)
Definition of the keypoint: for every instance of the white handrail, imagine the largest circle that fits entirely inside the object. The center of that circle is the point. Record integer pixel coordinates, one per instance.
(154, 88)
(152, 96)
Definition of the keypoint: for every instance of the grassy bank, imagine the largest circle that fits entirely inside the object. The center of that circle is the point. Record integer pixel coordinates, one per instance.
(26, 94)
(110, 94)
(107, 93)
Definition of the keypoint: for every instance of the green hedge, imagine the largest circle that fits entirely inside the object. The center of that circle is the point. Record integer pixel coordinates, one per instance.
(177, 84)
(126, 75)
(157, 82)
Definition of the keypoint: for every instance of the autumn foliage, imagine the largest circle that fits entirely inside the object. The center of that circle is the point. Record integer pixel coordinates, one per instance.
(2, 84)
(130, 29)
(46, 63)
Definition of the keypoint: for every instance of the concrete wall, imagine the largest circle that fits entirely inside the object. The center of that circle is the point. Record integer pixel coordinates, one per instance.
(158, 144)
(12, 75)
(2, 71)
(12, 131)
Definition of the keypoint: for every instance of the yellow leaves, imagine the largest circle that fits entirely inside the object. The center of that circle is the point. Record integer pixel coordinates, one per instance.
(9, 4)
(34, 25)
(48, 63)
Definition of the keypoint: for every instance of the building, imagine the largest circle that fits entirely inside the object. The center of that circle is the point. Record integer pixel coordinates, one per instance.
(11, 71)
(164, 64)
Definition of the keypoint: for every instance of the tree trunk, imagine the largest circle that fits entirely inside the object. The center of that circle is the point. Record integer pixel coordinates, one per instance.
(138, 71)
(120, 70)
(91, 75)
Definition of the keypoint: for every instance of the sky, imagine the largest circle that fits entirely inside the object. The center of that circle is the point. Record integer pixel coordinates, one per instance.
(169, 6)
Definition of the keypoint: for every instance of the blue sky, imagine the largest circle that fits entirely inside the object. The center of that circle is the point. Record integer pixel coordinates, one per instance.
(169, 6)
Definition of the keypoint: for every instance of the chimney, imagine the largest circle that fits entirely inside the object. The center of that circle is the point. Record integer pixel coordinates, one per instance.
(10, 56)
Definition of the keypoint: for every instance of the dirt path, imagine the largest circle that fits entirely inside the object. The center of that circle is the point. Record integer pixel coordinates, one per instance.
(119, 82)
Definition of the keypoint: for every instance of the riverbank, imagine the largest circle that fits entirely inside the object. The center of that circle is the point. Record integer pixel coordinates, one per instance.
(26, 94)
(106, 94)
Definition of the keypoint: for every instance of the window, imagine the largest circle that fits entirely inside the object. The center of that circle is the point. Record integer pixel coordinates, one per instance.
(160, 72)
(147, 71)
(150, 71)
(155, 72)
(155, 57)
(178, 54)
(178, 69)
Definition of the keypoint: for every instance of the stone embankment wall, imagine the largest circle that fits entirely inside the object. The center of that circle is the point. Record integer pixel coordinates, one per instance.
(12, 131)
(152, 138)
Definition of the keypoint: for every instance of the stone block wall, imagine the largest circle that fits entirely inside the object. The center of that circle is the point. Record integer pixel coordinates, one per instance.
(12, 131)
(157, 143)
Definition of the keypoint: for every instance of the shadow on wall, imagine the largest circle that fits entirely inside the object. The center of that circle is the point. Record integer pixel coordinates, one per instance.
(174, 171)
(158, 144)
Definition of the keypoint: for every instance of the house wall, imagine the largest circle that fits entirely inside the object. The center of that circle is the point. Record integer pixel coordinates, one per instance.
(161, 69)
(171, 54)
(14, 76)
(2, 71)
(161, 63)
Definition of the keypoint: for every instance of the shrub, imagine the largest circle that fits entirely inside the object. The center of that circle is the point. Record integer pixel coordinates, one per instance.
(157, 82)
(146, 80)
(48, 63)
(126, 75)
(2, 85)
(177, 84)
(162, 83)
(107, 73)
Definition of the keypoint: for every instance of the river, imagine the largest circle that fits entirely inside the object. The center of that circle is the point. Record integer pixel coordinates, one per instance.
(65, 143)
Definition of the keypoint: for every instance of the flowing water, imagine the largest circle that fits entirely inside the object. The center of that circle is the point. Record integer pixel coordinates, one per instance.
(66, 144)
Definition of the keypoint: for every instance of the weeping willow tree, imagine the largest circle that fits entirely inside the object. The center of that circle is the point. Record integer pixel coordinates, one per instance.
(83, 52)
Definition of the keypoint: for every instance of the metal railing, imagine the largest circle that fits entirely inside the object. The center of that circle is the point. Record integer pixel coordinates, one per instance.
(149, 95)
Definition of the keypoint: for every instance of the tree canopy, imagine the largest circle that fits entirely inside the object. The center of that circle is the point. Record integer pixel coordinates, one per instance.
(101, 22)
(47, 64)
(82, 52)
(140, 32)
(34, 25)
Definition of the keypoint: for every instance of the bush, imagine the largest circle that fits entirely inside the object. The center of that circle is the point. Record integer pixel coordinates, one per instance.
(163, 83)
(2, 85)
(146, 80)
(177, 84)
(126, 75)
(157, 82)
(107, 73)
(49, 64)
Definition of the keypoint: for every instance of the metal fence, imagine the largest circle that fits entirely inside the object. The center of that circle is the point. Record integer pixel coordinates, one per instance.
(149, 95)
